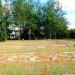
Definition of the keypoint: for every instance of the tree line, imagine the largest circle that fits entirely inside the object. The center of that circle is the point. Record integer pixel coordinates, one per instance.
(38, 20)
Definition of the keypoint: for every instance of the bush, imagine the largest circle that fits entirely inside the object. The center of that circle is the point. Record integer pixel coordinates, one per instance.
(72, 33)
(3, 34)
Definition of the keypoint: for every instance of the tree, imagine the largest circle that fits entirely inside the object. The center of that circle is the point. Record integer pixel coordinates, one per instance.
(3, 31)
(24, 13)
(55, 19)
(34, 15)
(31, 18)
(19, 7)
(72, 33)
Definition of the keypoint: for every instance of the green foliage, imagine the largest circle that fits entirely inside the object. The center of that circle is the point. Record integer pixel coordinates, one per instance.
(32, 15)
(57, 24)
(72, 33)
(3, 35)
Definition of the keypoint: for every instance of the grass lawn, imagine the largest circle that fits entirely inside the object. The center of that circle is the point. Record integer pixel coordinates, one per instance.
(41, 49)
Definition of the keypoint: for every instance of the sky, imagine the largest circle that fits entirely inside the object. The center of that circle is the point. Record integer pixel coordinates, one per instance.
(69, 7)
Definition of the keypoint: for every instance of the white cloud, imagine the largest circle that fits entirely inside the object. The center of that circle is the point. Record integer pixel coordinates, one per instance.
(69, 7)
(71, 19)
(71, 26)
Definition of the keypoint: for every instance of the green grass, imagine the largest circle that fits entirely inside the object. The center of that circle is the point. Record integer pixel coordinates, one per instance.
(41, 68)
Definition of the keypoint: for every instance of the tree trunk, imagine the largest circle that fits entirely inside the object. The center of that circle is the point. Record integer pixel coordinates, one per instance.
(55, 35)
(19, 38)
(29, 34)
(50, 35)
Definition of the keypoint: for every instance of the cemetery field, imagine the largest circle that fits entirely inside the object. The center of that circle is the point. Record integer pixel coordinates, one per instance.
(37, 57)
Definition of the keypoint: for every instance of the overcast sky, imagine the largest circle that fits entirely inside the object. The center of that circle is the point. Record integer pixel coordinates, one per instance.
(69, 7)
